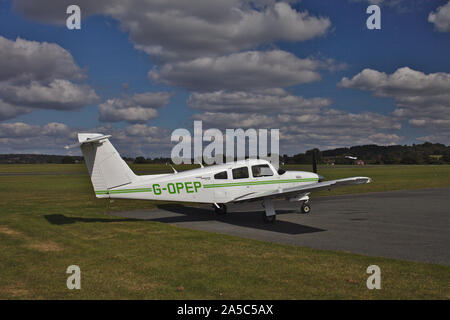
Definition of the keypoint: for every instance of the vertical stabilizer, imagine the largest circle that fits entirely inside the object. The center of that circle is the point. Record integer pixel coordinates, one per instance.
(106, 167)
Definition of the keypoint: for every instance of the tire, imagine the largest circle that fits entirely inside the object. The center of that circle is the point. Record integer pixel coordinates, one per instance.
(221, 210)
(306, 208)
(269, 219)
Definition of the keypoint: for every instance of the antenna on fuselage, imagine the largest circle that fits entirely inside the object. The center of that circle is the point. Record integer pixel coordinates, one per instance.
(314, 164)
(199, 162)
(174, 171)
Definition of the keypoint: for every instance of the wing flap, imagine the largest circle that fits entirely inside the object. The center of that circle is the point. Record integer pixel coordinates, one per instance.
(292, 191)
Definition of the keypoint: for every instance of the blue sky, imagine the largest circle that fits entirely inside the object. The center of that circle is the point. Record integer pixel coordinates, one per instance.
(116, 68)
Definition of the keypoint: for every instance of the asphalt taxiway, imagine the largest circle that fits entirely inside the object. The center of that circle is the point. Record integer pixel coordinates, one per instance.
(409, 225)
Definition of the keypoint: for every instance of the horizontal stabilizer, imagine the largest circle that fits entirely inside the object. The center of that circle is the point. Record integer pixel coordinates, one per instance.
(87, 138)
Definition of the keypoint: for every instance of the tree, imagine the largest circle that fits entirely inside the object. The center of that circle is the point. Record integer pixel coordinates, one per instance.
(67, 160)
(140, 160)
(389, 158)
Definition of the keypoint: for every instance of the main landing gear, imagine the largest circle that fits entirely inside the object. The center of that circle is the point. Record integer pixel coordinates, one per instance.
(220, 209)
(269, 219)
(269, 215)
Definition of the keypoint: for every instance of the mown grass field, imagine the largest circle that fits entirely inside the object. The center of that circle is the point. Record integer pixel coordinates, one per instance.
(50, 219)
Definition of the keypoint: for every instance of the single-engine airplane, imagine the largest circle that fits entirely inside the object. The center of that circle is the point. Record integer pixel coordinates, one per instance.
(219, 185)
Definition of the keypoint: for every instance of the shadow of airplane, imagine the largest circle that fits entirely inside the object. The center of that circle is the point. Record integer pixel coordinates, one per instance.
(60, 219)
(248, 219)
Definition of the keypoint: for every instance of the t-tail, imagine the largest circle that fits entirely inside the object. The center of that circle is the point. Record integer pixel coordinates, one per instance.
(106, 167)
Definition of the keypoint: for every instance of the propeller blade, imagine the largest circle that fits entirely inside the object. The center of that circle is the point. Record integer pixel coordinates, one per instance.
(314, 162)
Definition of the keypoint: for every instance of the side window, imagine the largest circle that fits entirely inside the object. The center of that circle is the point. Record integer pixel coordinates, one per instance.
(262, 170)
(240, 173)
(221, 175)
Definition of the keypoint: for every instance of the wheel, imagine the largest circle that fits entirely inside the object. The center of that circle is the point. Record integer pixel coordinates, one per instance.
(306, 208)
(269, 219)
(221, 210)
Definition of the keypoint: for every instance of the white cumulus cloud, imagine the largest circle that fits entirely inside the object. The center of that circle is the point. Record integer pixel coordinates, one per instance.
(441, 18)
(268, 101)
(39, 75)
(179, 30)
(140, 107)
(251, 70)
(422, 99)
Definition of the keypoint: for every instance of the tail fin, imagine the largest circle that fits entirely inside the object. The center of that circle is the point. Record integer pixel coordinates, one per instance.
(106, 167)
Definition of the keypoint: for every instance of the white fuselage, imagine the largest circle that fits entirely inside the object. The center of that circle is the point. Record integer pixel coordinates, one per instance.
(215, 184)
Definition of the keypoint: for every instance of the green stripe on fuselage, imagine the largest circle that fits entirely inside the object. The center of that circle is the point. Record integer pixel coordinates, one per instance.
(217, 185)
(123, 191)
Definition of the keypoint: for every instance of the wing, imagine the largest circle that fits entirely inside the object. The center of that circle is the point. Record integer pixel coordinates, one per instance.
(295, 191)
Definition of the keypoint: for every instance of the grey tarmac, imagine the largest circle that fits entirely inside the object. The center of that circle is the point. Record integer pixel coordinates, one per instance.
(408, 224)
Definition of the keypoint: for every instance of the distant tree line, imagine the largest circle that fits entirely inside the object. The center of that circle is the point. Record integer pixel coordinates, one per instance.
(39, 158)
(140, 160)
(426, 153)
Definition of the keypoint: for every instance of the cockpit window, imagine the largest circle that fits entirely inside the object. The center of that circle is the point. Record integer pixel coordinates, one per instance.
(261, 170)
(221, 175)
(240, 173)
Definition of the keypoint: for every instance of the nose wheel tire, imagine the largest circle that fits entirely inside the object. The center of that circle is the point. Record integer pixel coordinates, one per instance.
(221, 210)
(269, 219)
(306, 208)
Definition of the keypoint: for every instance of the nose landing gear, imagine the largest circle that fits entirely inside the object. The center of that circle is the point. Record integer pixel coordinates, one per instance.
(306, 207)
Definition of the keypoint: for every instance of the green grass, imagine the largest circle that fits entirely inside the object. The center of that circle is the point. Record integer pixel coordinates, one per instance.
(48, 222)
(385, 177)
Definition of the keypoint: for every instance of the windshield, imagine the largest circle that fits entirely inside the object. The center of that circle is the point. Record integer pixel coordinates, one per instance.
(262, 170)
